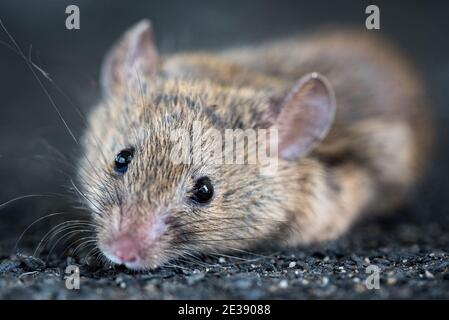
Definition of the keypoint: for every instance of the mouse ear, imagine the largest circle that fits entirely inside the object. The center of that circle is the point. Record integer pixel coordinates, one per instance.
(132, 57)
(303, 117)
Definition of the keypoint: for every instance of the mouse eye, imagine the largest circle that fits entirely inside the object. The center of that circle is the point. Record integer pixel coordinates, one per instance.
(122, 160)
(203, 190)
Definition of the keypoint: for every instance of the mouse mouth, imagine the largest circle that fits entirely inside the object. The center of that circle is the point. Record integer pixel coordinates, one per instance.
(137, 265)
(136, 250)
(137, 238)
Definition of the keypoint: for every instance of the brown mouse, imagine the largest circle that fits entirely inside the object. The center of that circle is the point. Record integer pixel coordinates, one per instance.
(353, 136)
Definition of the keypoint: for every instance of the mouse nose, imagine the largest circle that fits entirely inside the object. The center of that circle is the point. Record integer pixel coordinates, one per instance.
(126, 249)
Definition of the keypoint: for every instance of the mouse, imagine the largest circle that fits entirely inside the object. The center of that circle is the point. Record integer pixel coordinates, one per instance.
(352, 127)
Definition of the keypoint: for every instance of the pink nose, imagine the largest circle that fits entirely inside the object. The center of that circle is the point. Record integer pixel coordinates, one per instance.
(126, 249)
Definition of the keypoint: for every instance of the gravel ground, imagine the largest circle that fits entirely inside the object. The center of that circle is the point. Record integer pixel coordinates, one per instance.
(411, 248)
(411, 254)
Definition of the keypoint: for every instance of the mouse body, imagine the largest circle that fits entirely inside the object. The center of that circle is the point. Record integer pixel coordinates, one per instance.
(352, 130)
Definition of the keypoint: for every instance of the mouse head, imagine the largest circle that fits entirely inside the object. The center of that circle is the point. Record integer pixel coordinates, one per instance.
(150, 207)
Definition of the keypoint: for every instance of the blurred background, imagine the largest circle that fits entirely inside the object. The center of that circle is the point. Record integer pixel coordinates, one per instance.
(31, 135)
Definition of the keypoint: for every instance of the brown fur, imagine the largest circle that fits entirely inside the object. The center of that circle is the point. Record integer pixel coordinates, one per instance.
(373, 154)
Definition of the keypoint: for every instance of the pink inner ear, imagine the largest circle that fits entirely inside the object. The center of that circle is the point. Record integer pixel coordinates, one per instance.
(141, 48)
(134, 55)
(305, 117)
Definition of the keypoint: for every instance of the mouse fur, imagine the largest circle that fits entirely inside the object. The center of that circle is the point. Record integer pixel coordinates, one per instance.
(354, 138)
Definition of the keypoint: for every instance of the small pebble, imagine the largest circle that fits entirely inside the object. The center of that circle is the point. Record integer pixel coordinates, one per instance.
(221, 260)
(429, 274)
(8, 265)
(195, 278)
(150, 287)
(391, 281)
(292, 264)
(243, 284)
(31, 262)
(283, 284)
(360, 287)
(118, 280)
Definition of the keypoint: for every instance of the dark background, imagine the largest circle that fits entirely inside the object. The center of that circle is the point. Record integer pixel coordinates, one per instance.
(28, 124)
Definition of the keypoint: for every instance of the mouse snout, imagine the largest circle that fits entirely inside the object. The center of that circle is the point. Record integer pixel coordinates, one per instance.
(135, 243)
(126, 249)
(130, 250)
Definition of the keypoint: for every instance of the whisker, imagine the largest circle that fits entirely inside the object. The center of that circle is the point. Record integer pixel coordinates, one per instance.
(225, 228)
(84, 196)
(246, 260)
(87, 241)
(49, 195)
(70, 233)
(204, 220)
(56, 230)
(234, 239)
(33, 223)
(92, 251)
(30, 67)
